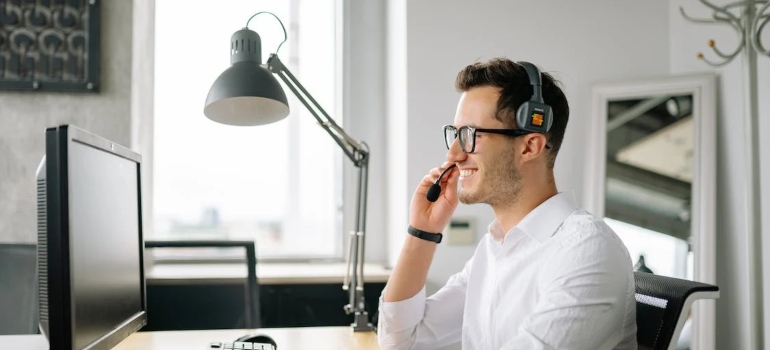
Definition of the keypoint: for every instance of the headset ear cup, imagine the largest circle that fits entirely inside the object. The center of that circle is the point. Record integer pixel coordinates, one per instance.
(534, 115)
(522, 116)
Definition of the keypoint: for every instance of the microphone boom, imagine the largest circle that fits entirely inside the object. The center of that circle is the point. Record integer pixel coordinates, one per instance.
(435, 190)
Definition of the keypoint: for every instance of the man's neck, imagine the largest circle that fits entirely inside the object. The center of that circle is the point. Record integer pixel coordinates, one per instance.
(530, 197)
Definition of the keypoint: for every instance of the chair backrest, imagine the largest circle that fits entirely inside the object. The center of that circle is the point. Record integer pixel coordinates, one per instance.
(18, 289)
(662, 307)
(251, 297)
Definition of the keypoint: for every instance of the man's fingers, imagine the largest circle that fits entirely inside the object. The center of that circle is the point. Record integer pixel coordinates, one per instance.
(429, 178)
(436, 172)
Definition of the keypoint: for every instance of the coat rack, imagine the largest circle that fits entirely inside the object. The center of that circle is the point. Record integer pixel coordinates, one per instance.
(748, 18)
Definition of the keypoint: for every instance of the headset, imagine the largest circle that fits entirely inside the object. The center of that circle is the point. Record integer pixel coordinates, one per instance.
(534, 115)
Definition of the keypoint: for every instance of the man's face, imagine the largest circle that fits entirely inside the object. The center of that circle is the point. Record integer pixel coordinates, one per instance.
(489, 174)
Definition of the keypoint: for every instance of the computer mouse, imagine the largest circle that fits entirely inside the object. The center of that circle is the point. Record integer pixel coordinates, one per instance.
(257, 338)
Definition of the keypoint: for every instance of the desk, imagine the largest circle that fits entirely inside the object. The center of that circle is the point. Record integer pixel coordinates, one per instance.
(320, 338)
(267, 273)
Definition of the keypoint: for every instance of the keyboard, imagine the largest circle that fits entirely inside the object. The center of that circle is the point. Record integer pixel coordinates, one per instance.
(239, 346)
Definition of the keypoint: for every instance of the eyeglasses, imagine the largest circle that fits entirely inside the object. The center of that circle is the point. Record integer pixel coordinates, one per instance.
(467, 135)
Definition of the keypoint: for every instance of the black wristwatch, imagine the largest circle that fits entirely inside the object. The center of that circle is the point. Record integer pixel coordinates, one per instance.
(428, 236)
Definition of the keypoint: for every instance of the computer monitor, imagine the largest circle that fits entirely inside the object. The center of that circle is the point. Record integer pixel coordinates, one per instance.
(90, 245)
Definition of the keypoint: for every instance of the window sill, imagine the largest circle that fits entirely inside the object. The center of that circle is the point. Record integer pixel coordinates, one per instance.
(267, 273)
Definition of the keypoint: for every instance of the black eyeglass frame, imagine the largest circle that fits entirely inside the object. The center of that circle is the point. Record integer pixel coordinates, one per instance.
(507, 132)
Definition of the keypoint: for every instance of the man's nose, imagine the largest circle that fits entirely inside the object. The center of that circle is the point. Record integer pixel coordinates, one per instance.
(455, 152)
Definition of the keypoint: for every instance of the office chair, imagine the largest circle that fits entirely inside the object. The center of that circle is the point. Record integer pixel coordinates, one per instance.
(18, 289)
(662, 307)
(194, 318)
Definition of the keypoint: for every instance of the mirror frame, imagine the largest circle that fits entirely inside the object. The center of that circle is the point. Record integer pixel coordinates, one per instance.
(702, 87)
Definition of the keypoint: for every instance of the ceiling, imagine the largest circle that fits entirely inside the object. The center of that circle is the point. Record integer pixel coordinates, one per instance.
(667, 152)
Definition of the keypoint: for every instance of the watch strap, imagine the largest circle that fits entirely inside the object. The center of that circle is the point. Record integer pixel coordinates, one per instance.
(428, 236)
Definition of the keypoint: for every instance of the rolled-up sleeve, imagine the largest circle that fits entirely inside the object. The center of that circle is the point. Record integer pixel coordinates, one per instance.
(424, 323)
(401, 315)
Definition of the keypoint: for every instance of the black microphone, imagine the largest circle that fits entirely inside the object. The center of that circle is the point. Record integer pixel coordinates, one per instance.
(435, 189)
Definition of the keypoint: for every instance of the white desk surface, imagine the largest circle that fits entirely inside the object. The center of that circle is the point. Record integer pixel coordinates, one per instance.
(267, 273)
(320, 338)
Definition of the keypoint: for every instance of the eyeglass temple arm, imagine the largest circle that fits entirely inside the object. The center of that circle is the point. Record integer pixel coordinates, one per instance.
(358, 153)
(548, 144)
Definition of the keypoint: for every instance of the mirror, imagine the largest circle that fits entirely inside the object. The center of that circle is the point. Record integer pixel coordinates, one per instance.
(652, 178)
(648, 178)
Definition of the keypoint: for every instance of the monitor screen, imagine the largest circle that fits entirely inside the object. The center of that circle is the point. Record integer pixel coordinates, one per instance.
(104, 236)
(93, 242)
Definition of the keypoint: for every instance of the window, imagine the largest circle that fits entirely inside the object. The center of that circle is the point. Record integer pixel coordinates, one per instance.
(278, 184)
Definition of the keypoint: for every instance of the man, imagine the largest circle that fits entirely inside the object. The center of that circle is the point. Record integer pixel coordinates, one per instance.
(547, 275)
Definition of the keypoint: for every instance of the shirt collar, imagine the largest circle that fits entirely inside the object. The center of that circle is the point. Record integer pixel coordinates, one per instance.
(541, 223)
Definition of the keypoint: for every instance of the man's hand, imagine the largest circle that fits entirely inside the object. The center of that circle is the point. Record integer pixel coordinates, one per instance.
(434, 216)
(411, 270)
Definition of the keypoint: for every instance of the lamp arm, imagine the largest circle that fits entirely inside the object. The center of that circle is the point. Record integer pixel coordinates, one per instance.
(358, 153)
(352, 148)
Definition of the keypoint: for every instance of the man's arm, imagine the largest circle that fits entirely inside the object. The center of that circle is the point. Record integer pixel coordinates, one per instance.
(587, 300)
(407, 319)
(420, 323)
(411, 269)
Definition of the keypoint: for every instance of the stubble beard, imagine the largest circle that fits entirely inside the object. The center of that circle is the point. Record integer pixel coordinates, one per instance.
(498, 185)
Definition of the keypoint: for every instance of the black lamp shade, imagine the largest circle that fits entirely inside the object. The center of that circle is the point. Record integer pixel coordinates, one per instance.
(246, 94)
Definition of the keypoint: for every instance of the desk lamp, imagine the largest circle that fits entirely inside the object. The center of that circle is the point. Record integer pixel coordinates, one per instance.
(247, 94)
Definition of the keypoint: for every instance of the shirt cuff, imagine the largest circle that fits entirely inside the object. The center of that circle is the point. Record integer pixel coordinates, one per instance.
(396, 316)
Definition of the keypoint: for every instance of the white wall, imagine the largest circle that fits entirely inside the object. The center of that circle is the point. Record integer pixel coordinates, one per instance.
(687, 39)
(581, 43)
(364, 114)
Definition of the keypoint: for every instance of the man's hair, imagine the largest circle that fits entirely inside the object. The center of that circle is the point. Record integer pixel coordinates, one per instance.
(515, 89)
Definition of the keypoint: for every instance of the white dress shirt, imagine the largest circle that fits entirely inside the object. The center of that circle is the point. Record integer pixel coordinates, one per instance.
(561, 279)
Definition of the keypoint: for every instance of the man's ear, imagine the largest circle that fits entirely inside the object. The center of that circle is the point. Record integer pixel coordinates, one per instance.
(533, 146)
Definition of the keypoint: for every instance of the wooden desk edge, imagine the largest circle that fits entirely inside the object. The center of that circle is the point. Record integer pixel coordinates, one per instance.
(286, 338)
